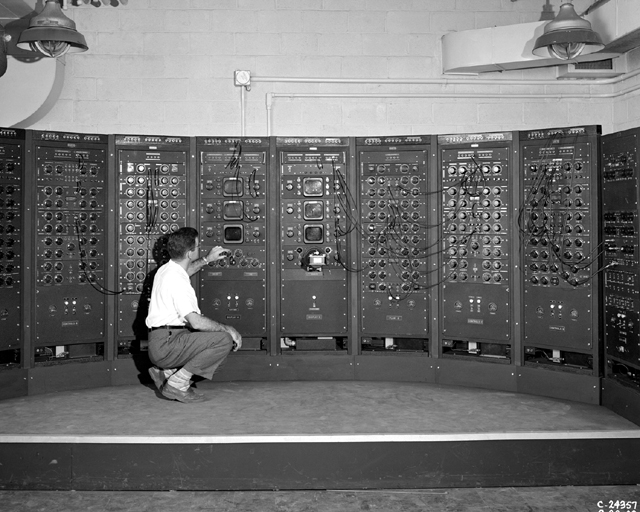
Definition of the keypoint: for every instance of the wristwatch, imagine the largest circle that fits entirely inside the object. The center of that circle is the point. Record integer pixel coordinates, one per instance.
(206, 261)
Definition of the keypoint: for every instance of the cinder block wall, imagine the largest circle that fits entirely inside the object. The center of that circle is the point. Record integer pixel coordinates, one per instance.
(166, 67)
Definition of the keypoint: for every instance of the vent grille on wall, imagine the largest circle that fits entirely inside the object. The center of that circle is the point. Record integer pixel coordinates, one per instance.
(594, 69)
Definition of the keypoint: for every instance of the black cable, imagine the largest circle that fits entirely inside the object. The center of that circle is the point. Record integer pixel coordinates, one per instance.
(83, 264)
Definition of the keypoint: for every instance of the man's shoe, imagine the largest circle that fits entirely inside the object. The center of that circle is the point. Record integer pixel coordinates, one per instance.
(186, 397)
(157, 375)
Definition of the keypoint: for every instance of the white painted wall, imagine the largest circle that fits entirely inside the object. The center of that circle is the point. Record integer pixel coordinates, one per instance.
(166, 67)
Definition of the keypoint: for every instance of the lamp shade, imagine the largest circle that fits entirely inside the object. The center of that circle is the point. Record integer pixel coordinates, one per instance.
(52, 33)
(567, 36)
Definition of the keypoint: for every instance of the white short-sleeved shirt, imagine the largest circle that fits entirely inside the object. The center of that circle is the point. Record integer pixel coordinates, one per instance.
(172, 297)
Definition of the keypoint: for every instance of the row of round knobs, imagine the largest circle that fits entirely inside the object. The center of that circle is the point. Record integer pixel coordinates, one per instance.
(142, 205)
(553, 280)
(405, 287)
(381, 239)
(486, 264)
(48, 203)
(384, 263)
(142, 216)
(461, 170)
(48, 266)
(142, 180)
(291, 209)
(383, 192)
(567, 166)
(48, 191)
(71, 247)
(463, 215)
(163, 192)
(83, 216)
(404, 180)
(164, 228)
(59, 169)
(475, 245)
(463, 228)
(577, 216)
(544, 242)
(232, 262)
(382, 251)
(485, 203)
(405, 275)
(65, 228)
(384, 216)
(404, 204)
(140, 168)
(59, 279)
(552, 268)
(461, 252)
(60, 241)
(290, 186)
(567, 255)
(486, 277)
(404, 228)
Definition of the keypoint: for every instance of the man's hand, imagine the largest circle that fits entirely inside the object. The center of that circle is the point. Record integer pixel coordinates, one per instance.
(217, 253)
(237, 339)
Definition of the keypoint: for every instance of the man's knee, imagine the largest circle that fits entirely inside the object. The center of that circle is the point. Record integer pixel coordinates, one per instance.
(220, 339)
(227, 340)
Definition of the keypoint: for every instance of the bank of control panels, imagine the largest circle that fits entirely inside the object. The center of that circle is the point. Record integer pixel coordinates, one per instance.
(233, 214)
(621, 232)
(11, 236)
(476, 173)
(404, 233)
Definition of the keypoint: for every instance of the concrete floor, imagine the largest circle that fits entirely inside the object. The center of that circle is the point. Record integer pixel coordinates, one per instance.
(522, 499)
(302, 408)
(310, 408)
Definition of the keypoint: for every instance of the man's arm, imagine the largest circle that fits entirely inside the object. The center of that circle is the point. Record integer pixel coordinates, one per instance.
(196, 266)
(215, 254)
(202, 323)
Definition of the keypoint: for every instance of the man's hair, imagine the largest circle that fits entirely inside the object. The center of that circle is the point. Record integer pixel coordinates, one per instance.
(181, 241)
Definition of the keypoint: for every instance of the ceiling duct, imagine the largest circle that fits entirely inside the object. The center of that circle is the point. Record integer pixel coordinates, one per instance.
(511, 47)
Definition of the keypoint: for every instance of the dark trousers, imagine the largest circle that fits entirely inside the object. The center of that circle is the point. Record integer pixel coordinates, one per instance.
(200, 353)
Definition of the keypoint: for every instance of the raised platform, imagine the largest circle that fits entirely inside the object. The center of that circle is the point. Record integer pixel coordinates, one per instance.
(311, 435)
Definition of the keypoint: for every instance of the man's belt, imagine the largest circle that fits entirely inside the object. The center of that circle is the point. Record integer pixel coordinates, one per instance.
(168, 327)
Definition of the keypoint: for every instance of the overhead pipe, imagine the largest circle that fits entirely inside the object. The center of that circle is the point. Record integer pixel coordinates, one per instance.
(446, 81)
(270, 96)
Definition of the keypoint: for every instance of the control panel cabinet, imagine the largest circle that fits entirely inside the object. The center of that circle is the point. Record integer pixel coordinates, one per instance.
(476, 243)
(233, 176)
(12, 148)
(70, 247)
(152, 192)
(621, 236)
(315, 208)
(560, 246)
(393, 242)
